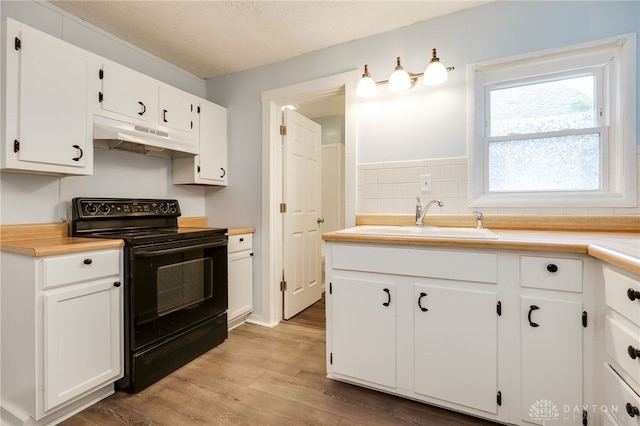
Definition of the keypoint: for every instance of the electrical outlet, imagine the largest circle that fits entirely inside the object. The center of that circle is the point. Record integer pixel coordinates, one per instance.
(425, 183)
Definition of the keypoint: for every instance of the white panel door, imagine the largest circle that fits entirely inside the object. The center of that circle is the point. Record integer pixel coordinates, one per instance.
(53, 100)
(302, 195)
(456, 345)
(363, 330)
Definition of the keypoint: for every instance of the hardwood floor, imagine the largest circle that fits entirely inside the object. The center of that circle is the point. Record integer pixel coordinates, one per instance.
(313, 316)
(262, 376)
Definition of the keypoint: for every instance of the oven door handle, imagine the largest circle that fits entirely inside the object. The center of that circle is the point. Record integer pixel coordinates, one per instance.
(140, 253)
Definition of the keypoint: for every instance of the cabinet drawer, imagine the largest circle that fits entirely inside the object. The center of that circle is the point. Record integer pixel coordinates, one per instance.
(620, 399)
(240, 242)
(618, 290)
(69, 269)
(621, 343)
(551, 273)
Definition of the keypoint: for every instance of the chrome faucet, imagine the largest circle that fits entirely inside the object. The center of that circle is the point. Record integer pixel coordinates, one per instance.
(479, 217)
(422, 211)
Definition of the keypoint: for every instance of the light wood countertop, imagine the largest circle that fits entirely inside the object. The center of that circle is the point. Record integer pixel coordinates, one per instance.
(51, 238)
(240, 231)
(62, 245)
(620, 249)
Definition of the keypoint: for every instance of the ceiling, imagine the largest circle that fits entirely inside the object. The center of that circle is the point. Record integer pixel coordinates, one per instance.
(212, 38)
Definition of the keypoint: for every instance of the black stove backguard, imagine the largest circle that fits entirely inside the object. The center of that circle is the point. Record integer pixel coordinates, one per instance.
(175, 283)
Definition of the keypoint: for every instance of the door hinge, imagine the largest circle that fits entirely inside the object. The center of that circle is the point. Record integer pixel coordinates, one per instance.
(283, 130)
(198, 169)
(499, 308)
(331, 358)
(499, 398)
(101, 74)
(192, 124)
(585, 418)
(16, 145)
(330, 287)
(283, 285)
(100, 96)
(283, 207)
(584, 318)
(198, 109)
(17, 44)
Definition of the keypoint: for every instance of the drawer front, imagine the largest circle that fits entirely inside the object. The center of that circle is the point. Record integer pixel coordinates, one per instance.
(623, 344)
(619, 291)
(240, 242)
(620, 399)
(69, 269)
(551, 273)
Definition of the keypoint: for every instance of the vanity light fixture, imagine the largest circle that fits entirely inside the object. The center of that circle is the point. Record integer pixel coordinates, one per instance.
(435, 73)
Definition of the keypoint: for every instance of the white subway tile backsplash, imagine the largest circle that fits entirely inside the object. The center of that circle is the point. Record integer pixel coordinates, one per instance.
(385, 175)
(392, 187)
(370, 176)
(449, 173)
(385, 190)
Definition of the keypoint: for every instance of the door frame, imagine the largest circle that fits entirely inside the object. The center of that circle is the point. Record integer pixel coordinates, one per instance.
(269, 312)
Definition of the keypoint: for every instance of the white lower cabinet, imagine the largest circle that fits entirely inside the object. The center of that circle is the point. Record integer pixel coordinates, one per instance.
(505, 336)
(240, 273)
(551, 355)
(456, 344)
(61, 335)
(622, 347)
(367, 330)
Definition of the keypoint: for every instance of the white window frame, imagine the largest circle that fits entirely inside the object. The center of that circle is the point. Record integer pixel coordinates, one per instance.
(616, 57)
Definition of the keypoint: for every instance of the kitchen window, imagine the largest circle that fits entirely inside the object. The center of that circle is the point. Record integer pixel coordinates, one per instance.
(555, 128)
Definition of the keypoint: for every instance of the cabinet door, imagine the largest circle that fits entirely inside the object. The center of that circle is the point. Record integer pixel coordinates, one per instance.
(240, 283)
(129, 93)
(177, 109)
(551, 356)
(52, 102)
(213, 143)
(363, 338)
(456, 343)
(83, 339)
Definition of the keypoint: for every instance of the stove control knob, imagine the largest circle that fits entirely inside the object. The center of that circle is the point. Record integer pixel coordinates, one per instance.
(104, 208)
(172, 208)
(163, 208)
(90, 208)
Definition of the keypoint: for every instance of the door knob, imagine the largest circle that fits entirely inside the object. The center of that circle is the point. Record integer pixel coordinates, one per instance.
(320, 220)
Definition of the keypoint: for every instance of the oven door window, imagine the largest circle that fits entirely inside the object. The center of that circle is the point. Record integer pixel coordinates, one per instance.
(183, 285)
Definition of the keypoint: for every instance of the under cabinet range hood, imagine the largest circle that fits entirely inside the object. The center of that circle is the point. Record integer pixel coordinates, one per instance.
(109, 133)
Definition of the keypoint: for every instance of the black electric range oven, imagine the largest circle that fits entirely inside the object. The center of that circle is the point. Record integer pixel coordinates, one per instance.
(175, 283)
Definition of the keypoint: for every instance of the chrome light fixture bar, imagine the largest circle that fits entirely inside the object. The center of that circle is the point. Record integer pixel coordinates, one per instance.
(400, 81)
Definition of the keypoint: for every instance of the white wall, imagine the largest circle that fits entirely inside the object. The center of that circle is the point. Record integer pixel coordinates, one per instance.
(41, 199)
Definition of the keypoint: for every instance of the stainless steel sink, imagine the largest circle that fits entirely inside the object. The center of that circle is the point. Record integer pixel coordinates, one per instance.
(426, 232)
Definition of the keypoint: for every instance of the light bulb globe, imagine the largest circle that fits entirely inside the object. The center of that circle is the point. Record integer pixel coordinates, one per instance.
(435, 74)
(399, 81)
(366, 87)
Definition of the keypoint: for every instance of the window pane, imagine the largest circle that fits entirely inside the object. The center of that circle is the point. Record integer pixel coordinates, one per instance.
(543, 107)
(569, 163)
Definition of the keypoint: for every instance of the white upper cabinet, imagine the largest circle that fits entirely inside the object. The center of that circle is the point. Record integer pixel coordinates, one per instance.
(177, 109)
(45, 102)
(210, 166)
(127, 92)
